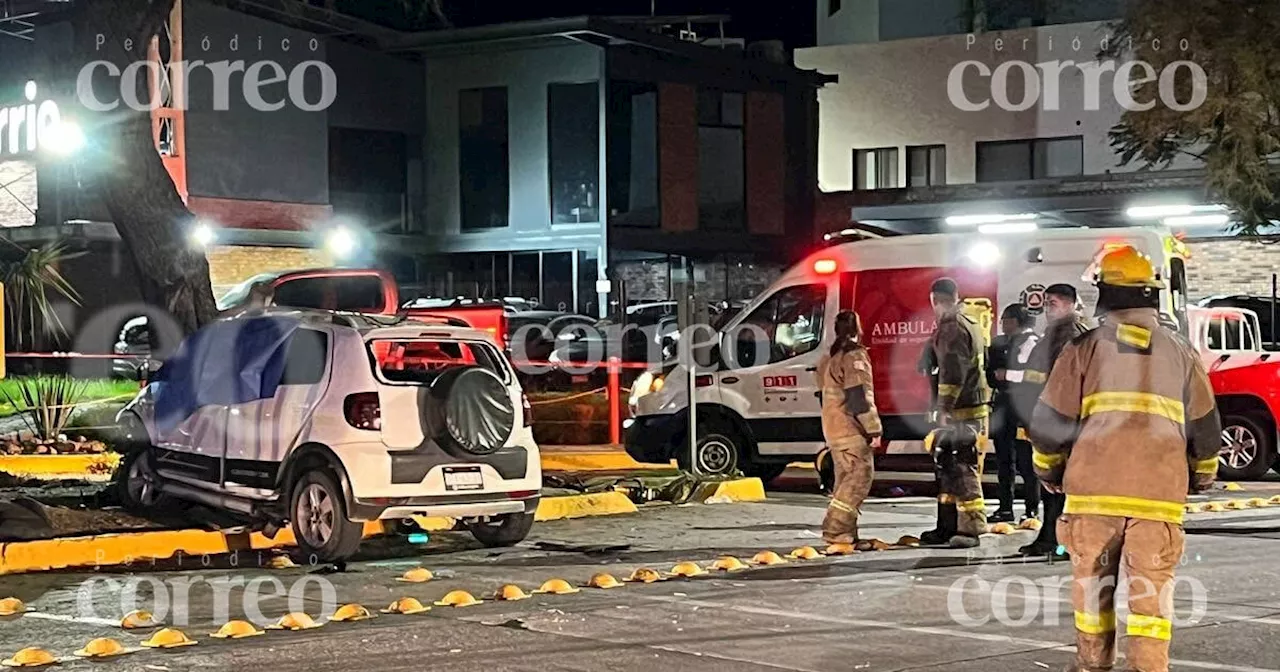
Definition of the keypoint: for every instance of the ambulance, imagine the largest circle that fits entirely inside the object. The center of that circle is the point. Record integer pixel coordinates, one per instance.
(757, 399)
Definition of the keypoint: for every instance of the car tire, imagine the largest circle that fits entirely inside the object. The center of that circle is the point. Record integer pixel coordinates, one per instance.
(502, 531)
(136, 483)
(318, 515)
(765, 471)
(1248, 450)
(717, 454)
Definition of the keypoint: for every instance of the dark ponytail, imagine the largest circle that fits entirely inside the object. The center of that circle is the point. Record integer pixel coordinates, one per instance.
(848, 333)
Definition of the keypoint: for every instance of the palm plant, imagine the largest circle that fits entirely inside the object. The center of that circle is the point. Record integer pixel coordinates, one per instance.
(46, 403)
(28, 285)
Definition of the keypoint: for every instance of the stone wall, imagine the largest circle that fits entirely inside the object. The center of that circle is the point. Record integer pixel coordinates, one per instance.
(230, 265)
(1232, 266)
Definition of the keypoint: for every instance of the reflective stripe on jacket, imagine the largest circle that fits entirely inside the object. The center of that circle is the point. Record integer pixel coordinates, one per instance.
(1126, 418)
(848, 396)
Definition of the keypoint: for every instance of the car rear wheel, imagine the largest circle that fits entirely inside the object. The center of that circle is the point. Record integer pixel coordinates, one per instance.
(318, 515)
(1248, 451)
(499, 531)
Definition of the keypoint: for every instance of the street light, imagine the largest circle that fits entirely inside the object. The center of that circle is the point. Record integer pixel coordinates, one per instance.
(202, 234)
(340, 242)
(970, 220)
(63, 138)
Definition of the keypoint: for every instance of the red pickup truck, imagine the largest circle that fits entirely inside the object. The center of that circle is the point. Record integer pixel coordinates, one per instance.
(354, 290)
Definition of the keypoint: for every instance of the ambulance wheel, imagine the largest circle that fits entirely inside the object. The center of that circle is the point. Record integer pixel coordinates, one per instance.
(717, 452)
(1247, 449)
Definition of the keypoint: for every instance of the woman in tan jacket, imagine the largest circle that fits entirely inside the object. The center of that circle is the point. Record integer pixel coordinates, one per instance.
(850, 426)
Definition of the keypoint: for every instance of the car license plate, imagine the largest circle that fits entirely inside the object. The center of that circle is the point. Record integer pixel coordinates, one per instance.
(463, 478)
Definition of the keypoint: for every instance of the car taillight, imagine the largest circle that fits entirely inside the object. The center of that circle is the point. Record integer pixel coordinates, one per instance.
(363, 411)
(528, 410)
(704, 381)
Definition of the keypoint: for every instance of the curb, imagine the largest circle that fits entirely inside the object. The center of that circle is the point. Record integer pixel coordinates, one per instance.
(126, 548)
(98, 467)
(724, 492)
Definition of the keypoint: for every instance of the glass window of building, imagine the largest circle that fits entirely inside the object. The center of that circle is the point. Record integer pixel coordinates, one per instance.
(875, 168)
(526, 274)
(1016, 160)
(721, 160)
(573, 148)
(557, 281)
(483, 159)
(588, 271)
(632, 118)
(927, 166)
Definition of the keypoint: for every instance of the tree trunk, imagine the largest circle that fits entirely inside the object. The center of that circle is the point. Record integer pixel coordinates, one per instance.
(134, 185)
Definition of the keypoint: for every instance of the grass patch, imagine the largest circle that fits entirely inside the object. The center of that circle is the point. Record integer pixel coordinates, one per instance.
(94, 390)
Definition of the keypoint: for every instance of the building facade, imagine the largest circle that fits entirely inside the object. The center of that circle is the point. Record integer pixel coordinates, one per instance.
(575, 161)
(951, 107)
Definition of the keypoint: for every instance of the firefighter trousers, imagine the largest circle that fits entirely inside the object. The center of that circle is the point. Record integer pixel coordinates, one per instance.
(1149, 552)
(960, 485)
(855, 470)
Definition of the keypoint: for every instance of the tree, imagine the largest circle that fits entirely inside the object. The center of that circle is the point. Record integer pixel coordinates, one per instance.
(1236, 132)
(134, 185)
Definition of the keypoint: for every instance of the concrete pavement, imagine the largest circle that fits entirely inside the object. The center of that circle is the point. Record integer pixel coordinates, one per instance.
(892, 610)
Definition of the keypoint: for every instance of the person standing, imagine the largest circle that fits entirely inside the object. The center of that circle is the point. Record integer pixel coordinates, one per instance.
(1010, 352)
(1125, 427)
(961, 411)
(1065, 324)
(850, 425)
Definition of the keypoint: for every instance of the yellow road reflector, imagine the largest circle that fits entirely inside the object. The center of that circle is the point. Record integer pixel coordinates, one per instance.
(1275, 499)
(168, 638)
(102, 647)
(281, 562)
(237, 630)
(12, 606)
(556, 587)
(1193, 507)
(728, 563)
(139, 620)
(407, 606)
(688, 569)
(510, 593)
(1033, 524)
(644, 575)
(871, 545)
(294, 621)
(1002, 528)
(417, 575)
(840, 549)
(908, 540)
(604, 580)
(350, 613)
(1232, 487)
(1214, 507)
(804, 553)
(1258, 503)
(458, 598)
(767, 558)
(1238, 504)
(30, 657)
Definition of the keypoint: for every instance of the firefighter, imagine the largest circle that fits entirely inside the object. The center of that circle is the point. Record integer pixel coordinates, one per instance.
(850, 426)
(961, 412)
(1010, 352)
(1125, 426)
(1066, 322)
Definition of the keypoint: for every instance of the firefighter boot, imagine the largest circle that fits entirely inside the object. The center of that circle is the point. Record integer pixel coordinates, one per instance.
(946, 529)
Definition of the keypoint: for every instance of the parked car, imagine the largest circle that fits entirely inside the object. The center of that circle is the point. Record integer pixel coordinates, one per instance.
(134, 344)
(1260, 305)
(326, 420)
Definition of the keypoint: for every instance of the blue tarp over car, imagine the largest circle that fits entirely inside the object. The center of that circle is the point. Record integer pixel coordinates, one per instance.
(224, 363)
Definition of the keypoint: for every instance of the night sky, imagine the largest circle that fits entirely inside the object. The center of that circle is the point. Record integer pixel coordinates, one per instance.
(789, 20)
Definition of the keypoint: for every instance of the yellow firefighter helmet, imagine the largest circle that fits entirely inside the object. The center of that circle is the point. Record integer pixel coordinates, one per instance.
(1125, 266)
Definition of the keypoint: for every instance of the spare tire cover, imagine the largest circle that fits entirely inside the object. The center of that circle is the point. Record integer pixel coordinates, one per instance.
(478, 413)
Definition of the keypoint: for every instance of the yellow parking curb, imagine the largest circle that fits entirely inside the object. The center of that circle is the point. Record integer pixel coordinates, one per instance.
(581, 506)
(97, 466)
(738, 490)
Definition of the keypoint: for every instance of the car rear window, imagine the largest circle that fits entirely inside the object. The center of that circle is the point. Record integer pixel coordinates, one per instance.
(355, 293)
(419, 361)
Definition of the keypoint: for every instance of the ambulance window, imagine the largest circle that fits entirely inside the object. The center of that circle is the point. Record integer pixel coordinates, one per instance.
(791, 322)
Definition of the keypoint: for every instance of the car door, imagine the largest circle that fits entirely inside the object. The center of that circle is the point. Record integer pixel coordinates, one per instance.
(261, 432)
(771, 363)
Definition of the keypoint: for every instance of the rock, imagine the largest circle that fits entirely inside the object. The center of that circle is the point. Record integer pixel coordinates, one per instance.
(43, 449)
(13, 448)
(64, 447)
(95, 447)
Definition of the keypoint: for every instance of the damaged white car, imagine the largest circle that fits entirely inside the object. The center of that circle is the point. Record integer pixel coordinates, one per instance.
(328, 420)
